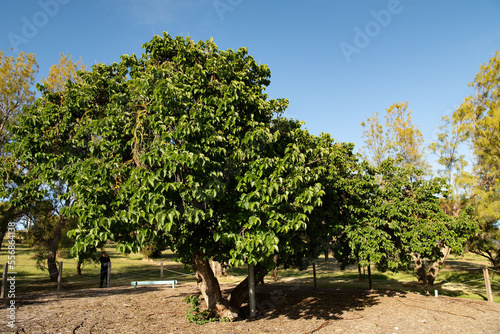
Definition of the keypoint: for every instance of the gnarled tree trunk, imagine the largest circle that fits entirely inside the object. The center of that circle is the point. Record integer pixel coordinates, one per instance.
(434, 269)
(427, 277)
(421, 271)
(219, 306)
(217, 268)
(209, 287)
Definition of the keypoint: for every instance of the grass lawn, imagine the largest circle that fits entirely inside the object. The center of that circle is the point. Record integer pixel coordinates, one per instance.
(125, 269)
(460, 277)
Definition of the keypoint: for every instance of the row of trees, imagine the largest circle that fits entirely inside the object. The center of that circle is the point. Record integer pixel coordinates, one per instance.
(467, 149)
(182, 147)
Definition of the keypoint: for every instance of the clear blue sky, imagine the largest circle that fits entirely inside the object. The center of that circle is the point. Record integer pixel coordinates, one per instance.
(338, 62)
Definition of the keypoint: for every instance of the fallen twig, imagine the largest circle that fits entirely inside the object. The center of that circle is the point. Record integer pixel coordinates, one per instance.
(428, 309)
(80, 325)
(91, 328)
(353, 318)
(320, 327)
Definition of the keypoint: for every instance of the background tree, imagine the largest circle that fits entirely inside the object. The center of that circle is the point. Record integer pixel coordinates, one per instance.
(7, 214)
(479, 123)
(17, 77)
(376, 148)
(41, 234)
(399, 138)
(40, 147)
(404, 142)
(448, 147)
(60, 73)
(395, 220)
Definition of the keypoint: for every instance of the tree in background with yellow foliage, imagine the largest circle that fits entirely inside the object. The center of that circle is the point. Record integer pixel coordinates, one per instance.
(17, 76)
(60, 73)
(478, 122)
(399, 138)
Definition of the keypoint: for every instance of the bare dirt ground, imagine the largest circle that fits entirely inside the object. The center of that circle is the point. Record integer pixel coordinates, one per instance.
(282, 309)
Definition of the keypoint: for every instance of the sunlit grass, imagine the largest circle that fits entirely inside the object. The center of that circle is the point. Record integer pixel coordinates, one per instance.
(460, 277)
(125, 269)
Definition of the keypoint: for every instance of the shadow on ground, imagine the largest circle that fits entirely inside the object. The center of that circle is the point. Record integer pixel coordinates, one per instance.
(40, 298)
(299, 302)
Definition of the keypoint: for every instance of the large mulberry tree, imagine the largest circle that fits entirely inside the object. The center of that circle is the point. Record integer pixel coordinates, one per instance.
(183, 146)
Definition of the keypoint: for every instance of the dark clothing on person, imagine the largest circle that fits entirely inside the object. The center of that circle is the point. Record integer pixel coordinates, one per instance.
(104, 268)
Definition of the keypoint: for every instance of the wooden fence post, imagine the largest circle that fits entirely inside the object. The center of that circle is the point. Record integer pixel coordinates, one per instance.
(4, 280)
(59, 276)
(161, 271)
(489, 293)
(108, 278)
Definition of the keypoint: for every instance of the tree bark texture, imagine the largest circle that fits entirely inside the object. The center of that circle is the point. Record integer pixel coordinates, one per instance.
(2, 235)
(218, 269)
(370, 282)
(79, 268)
(208, 284)
(421, 270)
(53, 247)
(427, 277)
(275, 270)
(434, 269)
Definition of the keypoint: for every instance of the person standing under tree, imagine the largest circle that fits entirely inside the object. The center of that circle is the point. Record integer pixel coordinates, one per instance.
(105, 261)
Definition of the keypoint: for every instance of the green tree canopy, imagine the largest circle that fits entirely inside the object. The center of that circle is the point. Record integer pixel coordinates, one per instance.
(40, 148)
(182, 145)
(393, 218)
